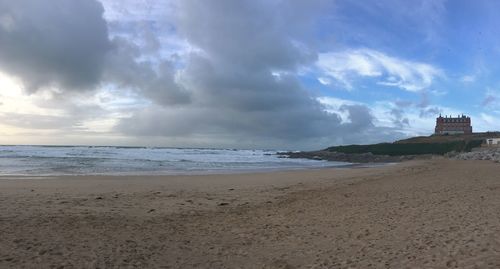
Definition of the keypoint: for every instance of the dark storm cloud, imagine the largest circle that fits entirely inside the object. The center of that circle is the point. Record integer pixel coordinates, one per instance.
(238, 83)
(359, 117)
(250, 34)
(153, 81)
(65, 44)
(59, 43)
(243, 83)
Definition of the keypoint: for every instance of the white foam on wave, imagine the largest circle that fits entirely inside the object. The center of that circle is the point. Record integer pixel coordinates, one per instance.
(84, 160)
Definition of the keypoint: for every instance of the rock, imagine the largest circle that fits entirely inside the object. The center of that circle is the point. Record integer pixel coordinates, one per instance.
(491, 154)
(346, 157)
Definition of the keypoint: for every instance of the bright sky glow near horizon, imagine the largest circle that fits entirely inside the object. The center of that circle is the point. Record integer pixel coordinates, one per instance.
(244, 74)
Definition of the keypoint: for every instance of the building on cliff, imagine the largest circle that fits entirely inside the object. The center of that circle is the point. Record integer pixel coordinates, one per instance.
(493, 142)
(450, 125)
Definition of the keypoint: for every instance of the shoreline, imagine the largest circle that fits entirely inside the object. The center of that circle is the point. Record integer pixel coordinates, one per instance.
(201, 172)
(246, 178)
(425, 213)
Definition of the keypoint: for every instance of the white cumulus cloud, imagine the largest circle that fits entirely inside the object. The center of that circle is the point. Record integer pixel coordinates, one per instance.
(345, 66)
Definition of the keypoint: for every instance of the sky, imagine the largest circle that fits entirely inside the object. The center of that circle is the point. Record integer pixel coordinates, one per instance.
(272, 74)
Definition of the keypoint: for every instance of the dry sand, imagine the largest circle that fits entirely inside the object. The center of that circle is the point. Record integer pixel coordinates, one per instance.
(420, 214)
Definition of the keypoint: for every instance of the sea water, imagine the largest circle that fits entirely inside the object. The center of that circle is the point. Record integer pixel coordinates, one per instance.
(96, 160)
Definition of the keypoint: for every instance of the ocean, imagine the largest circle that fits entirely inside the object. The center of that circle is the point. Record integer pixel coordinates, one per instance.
(97, 160)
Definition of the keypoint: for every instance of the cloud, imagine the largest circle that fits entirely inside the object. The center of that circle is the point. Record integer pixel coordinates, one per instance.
(405, 116)
(399, 118)
(348, 65)
(387, 122)
(337, 106)
(189, 73)
(65, 46)
(488, 100)
(426, 109)
(258, 34)
(491, 100)
(243, 83)
(134, 11)
(468, 78)
(58, 44)
(489, 119)
(31, 121)
(58, 112)
(396, 119)
(152, 79)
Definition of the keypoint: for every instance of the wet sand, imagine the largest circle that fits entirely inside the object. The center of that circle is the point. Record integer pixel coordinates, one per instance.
(419, 214)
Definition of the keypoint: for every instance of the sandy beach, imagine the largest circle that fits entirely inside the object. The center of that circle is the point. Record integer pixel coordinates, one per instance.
(420, 214)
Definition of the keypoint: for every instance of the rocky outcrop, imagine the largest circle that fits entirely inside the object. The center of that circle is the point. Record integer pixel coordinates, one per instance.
(350, 157)
(491, 154)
